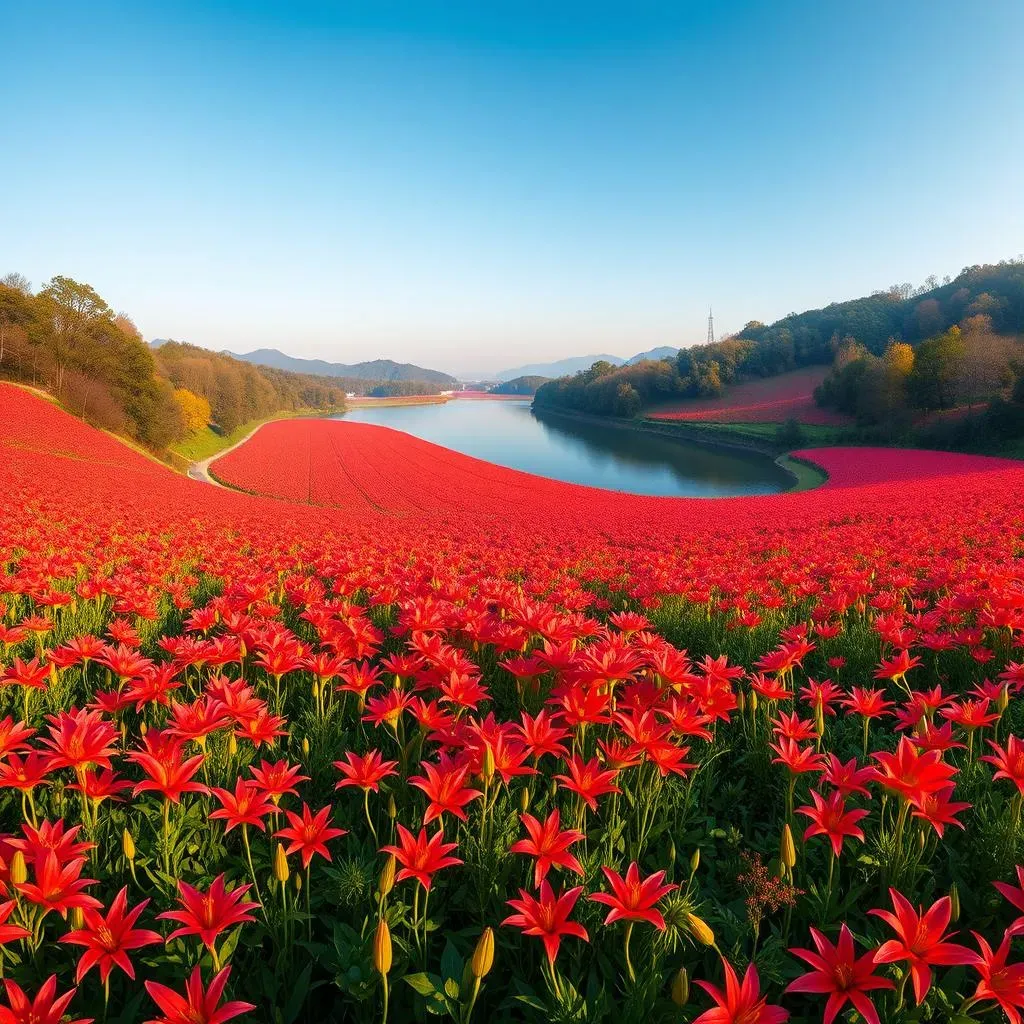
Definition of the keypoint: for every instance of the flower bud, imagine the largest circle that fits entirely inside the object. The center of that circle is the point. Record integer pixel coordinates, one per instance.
(671, 853)
(305, 746)
(483, 955)
(232, 745)
(128, 845)
(524, 800)
(488, 763)
(681, 987)
(392, 807)
(787, 848)
(700, 930)
(382, 948)
(387, 877)
(76, 919)
(19, 872)
(1003, 700)
(297, 878)
(143, 728)
(753, 701)
(281, 871)
(694, 861)
(954, 903)
(741, 702)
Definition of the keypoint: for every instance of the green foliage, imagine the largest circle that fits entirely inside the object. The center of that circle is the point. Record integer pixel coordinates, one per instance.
(520, 386)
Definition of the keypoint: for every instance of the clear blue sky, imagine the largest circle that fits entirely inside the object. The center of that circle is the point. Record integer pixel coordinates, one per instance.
(474, 185)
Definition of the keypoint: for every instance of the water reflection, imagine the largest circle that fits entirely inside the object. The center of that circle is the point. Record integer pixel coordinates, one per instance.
(578, 451)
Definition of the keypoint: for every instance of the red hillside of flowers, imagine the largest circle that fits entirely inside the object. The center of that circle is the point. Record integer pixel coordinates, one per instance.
(401, 734)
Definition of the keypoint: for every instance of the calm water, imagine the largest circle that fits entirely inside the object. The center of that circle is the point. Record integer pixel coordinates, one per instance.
(509, 434)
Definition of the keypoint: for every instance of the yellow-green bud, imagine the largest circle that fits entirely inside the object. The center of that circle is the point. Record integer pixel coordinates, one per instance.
(128, 845)
(488, 763)
(392, 807)
(387, 877)
(483, 955)
(281, 871)
(524, 800)
(753, 701)
(787, 848)
(954, 903)
(305, 746)
(694, 861)
(382, 948)
(232, 745)
(681, 987)
(741, 702)
(19, 872)
(700, 930)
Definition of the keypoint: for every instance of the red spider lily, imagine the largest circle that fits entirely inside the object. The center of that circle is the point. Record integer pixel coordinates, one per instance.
(841, 975)
(829, 817)
(1008, 761)
(542, 736)
(25, 774)
(309, 833)
(79, 739)
(59, 887)
(208, 914)
(549, 844)
(921, 940)
(421, 857)
(847, 778)
(365, 772)
(26, 673)
(1015, 895)
(792, 727)
(199, 719)
(260, 729)
(588, 780)
(196, 1006)
(278, 779)
(168, 774)
(633, 898)
(13, 736)
(896, 668)
(1001, 982)
(867, 703)
(509, 758)
(796, 758)
(911, 774)
(445, 790)
(387, 710)
(547, 917)
(108, 938)
(10, 932)
(51, 836)
(46, 1008)
(248, 805)
(740, 1002)
(938, 810)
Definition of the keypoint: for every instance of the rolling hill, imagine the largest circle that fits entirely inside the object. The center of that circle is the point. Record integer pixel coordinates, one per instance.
(376, 369)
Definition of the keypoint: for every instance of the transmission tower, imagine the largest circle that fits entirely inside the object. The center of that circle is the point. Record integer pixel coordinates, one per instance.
(711, 327)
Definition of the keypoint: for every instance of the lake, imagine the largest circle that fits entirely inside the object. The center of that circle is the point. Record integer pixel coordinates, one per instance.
(581, 452)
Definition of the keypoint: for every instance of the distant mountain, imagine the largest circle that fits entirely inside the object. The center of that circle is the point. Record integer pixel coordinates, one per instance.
(661, 352)
(559, 368)
(376, 369)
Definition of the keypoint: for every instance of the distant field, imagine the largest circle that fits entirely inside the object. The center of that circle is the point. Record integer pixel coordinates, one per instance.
(771, 400)
(368, 402)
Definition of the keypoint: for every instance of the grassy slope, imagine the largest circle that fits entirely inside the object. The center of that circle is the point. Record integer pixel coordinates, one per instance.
(207, 442)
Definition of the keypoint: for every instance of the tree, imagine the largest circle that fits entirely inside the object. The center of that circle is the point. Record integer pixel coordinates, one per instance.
(194, 409)
(69, 310)
(627, 400)
(899, 358)
(937, 365)
(19, 282)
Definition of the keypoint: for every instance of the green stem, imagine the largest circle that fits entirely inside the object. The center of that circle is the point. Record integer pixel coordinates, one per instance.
(629, 963)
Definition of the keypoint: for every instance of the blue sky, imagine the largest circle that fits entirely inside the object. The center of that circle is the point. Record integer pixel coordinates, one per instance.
(478, 185)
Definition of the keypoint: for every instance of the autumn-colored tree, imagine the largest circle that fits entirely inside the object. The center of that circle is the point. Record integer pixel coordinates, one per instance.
(195, 409)
(937, 366)
(899, 358)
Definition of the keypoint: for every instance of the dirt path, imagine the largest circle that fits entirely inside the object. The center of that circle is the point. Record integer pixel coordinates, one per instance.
(201, 470)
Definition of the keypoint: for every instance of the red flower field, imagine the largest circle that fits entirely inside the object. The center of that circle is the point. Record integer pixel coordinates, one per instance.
(402, 732)
(771, 400)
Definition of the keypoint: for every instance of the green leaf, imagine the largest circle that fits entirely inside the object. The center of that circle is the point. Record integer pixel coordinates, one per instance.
(293, 1007)
(421, 983)
(451, 962)
(451, 988)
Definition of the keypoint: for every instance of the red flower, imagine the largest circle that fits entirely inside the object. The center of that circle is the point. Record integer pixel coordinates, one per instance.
(921, 941)
(1001, 982)
(740, 1003)
(208, 914)
(796, 758)
(1009, 761)
(547, 917)
(10, 932)
(80, 738)
(278, 779)
(248, 805)
(549, 845)
(108, 939)
(588, 780)
(365, 772)
(46, 1008)
(59, 888)
(309, 833)
(196, 1006)
(837, 972)
(445, 790)
(911, 774)
(168, 773)
(831, 818)
(1015, 896)
(633, 899)
(421, 857)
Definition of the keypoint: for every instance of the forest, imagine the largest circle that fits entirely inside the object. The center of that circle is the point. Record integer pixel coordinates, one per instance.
(988, 301)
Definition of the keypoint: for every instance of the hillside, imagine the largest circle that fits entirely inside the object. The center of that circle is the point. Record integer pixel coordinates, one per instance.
(519, 386)
(380, 370)
(558, 368)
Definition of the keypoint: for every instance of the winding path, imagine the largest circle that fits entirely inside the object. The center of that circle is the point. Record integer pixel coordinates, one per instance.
(201, 470)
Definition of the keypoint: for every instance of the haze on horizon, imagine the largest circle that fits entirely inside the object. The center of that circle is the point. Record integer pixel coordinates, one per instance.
(472, 187)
